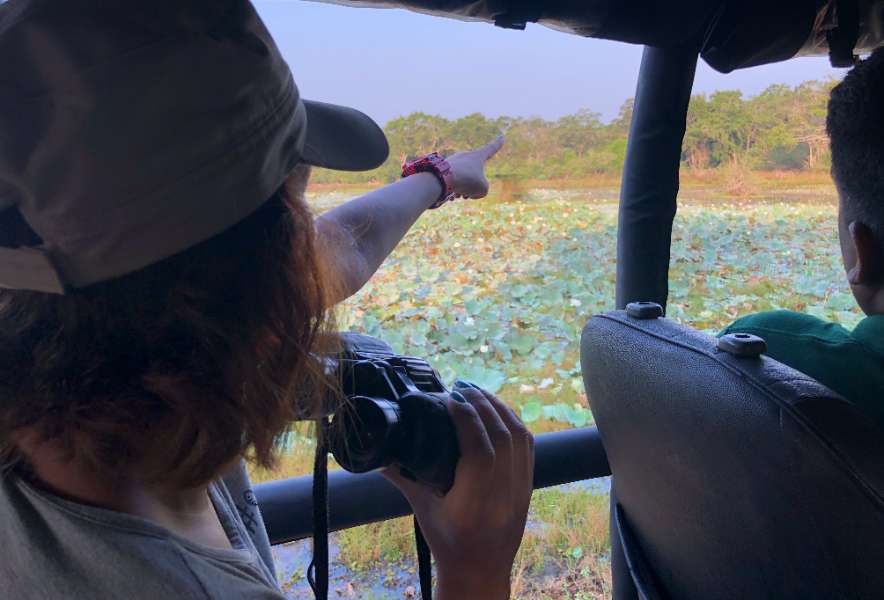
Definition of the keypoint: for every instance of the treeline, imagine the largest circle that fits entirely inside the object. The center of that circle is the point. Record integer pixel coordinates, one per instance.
(781, 128)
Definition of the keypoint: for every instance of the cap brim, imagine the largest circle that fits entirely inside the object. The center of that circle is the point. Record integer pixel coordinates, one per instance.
(343, 138)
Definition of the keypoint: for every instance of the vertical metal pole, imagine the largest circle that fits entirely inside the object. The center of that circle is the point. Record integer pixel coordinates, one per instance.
(648, 196)
(650, 176)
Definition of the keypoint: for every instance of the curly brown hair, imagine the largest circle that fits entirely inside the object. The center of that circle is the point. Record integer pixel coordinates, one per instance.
(173, 371)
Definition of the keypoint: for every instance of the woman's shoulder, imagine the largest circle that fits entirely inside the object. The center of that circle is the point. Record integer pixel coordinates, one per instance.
(65, 549)
(62, 551)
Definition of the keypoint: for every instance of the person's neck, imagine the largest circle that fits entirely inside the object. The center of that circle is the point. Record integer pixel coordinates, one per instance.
(870, 299)
(876, 306)
(188, 512)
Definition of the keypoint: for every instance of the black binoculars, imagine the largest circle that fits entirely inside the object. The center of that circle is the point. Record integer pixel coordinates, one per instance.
(394, 413)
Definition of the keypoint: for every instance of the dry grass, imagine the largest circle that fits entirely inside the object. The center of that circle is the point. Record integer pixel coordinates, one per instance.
(370, 546)
(564, 553)
(587, 579)
(723, 178)
(566, 527)
(295, 461)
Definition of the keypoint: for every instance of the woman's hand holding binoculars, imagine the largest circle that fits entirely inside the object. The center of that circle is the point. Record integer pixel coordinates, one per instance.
(474, 530)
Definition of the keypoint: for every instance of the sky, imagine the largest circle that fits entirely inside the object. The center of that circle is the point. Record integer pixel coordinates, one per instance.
(389, 63)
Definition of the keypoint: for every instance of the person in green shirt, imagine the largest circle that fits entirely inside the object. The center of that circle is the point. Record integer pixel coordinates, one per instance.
(848, 362)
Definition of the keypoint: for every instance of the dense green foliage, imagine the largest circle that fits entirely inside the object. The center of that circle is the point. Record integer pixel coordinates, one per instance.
(781, 128)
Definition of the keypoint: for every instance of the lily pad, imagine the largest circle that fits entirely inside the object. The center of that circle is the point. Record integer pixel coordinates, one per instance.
(531, 411)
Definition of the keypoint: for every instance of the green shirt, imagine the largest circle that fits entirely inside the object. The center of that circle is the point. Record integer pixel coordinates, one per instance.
(848, 362)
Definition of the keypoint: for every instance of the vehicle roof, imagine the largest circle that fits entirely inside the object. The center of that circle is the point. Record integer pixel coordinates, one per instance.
(728, 34)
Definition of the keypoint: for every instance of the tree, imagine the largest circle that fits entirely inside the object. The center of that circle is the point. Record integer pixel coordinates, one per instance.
(579, 132)
(780, 128)
(417, 133)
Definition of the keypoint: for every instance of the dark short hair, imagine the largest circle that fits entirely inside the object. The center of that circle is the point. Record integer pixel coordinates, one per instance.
(172, 372)
(856, 129)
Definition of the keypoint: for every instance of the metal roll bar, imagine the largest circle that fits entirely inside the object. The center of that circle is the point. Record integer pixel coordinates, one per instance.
(650, 175)
(287, 504)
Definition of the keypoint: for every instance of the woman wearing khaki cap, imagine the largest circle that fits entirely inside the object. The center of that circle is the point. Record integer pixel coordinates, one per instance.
(164, 288)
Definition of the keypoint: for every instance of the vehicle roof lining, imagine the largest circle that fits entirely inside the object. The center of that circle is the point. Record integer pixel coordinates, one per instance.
(729, 34)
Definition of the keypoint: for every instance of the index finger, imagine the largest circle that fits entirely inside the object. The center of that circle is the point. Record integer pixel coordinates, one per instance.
(492, 148)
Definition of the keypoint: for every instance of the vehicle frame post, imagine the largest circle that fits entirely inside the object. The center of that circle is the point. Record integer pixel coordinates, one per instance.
(649, 187)
(648, 201)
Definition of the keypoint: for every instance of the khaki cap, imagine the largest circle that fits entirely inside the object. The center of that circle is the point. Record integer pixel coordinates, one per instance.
(132, 130)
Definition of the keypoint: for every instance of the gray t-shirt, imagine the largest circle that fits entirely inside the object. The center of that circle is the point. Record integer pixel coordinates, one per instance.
(54, 548)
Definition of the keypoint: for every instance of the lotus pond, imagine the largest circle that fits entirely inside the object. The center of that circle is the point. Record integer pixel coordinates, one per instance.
(497, 293)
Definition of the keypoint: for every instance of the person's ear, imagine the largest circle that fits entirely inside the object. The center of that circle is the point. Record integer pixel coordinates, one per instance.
(869, 267)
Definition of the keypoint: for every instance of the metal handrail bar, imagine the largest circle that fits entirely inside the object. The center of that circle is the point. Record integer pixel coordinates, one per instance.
(287, 504)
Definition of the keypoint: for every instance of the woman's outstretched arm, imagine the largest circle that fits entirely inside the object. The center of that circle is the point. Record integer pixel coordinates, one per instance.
(355, 237)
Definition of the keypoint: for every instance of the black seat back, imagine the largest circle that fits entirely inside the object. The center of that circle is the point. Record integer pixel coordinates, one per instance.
(733, 477)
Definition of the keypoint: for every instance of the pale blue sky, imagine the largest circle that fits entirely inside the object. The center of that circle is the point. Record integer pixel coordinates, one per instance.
(392, 62)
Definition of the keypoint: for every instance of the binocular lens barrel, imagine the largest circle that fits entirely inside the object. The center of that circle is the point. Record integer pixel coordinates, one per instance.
(362, 433)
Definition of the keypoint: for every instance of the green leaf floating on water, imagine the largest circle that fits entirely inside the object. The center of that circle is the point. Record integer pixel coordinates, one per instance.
(578, 416)
(456, 339)
(489, 380)
(531, 411)
(520, 342)
(577, 385)
(573, 414)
